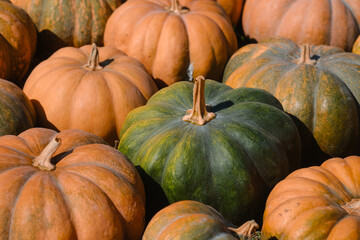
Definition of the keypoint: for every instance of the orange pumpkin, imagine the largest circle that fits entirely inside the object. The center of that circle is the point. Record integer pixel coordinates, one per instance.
(169, 35)
(88, 88)
(233, 8)
(67, 185)
(356, 46)
(320, 22)
(17, 42)
(190, 219)
(320, 202)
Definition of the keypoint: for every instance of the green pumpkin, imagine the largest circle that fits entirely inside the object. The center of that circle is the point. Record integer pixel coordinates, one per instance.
(227, 154)
(318, 84)
(17, 113)
(63, 23)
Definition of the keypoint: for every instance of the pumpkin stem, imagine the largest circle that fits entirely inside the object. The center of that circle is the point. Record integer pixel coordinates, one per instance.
(176, 7)
(305, 55)
(352, 207)
(93, 61)
(198, 114)
(43, 160)
(246, 230)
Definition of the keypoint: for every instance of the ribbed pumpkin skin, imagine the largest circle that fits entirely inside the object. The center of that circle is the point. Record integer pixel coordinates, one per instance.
(17, 42)
(323, 96)
(233, 8)
(187, 220)
(63, 23)
(16, 111)
(311, 203)
(167, 42)
(93, 193)
(224, 163)
(321, 22)
(94, 101)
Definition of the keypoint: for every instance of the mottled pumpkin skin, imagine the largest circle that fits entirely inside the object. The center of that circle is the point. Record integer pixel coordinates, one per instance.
(319, 202)
(188, 220)
(356, 46)
(16, 111)
(226, 162)
(63, 23)
(321, 22)
(17, 42)
(167, 42)
(93, 193)
(68, 95)
(323, 96)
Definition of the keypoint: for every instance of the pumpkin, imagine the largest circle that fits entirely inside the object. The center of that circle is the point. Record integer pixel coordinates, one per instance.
(319, 202)
(220, 153)
(168, 36)
(356, 46)
(17, 42)
(63, 23)
(67, 185)
(233, 8)
(322, 22)
(88, 88)
(318, 84)
(193, 220)
(16, 111)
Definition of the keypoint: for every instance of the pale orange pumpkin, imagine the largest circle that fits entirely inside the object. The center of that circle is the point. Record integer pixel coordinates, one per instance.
(319, 22)
(319, 202)
(67, 185)
(169, 35)
(88, 88)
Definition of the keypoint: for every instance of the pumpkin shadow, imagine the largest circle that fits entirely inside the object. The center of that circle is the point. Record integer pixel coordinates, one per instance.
(220, 106)
(47, 43)
(42, 120)
(154, 194)
(311, 154)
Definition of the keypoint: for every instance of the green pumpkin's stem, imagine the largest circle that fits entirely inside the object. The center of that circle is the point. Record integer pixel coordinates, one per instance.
(198, 114)
(246, 230)
(176, 7)
(43, 160)
(93, 61)
(305, 55)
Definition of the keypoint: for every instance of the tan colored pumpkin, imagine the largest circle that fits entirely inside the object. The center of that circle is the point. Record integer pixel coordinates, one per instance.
(169, 35)
(320, 22)
(17, 42)
(88, 88)
(320, 202)
(67, 185)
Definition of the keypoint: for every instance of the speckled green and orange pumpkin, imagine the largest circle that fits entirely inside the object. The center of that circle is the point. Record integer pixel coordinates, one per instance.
(192, 220)
(318, 84)
(63, 23)
(227, 154)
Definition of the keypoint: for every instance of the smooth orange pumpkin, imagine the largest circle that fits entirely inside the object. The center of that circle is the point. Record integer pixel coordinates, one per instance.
(319, 202)
(88, 88)
(335, 22)
(233, 8)
(356, 46)
(17, 42)
(169, 35)
(67, 185)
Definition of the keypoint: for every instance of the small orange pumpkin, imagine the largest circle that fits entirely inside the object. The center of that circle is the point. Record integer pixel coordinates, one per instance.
(88, 88)
(67, 185)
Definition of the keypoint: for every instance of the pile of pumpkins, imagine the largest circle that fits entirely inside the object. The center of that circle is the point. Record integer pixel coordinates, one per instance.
(179, 119)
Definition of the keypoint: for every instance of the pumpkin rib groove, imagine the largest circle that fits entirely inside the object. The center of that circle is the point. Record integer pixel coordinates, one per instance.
(279, 23)
(70, 209)
(16, 200)
(352, 178)
(315, 99)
